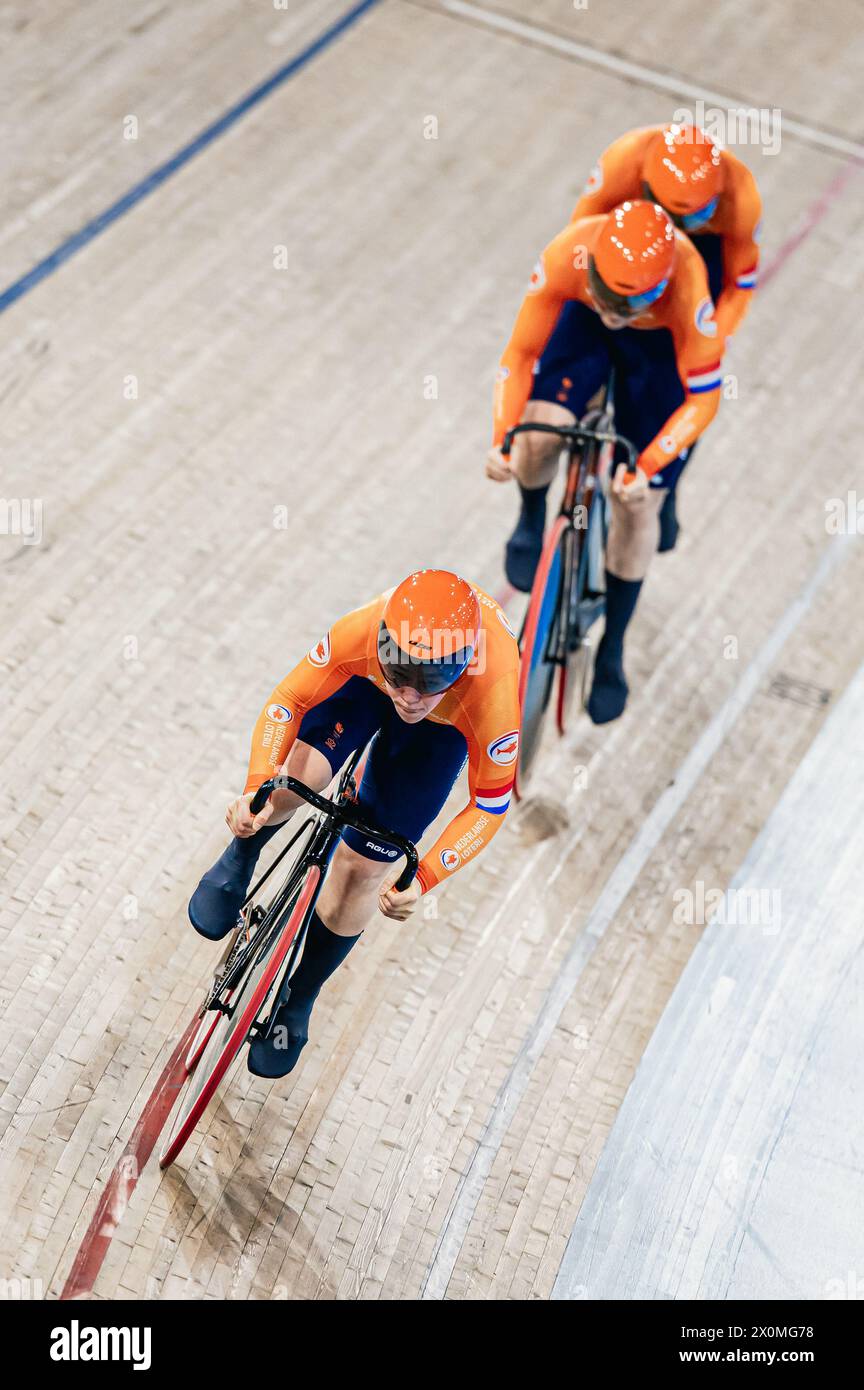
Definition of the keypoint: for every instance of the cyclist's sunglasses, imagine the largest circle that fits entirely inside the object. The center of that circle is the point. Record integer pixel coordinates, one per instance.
(687, 221)
(626, 306)
(427, 677)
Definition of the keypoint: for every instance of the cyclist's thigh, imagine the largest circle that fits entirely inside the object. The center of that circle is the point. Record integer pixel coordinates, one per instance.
(710, 248)
(345, 721)
(409, 774)
(648, 392)
(576, 361)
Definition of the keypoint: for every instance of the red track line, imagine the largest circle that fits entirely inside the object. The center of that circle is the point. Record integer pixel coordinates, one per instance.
(811, 218)
(124, 1177)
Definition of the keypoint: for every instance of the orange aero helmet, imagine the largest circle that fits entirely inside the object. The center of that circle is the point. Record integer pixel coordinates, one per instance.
(429, 631)
(683, 172)
(633, 258)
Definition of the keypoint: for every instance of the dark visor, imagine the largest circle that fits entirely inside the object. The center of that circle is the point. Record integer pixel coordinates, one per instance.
(687, 221)
(626, 306)
(427, 677)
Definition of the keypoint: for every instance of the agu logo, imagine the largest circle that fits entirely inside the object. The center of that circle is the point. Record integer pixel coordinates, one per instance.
(279, 714)
(704, 318)
(320, 654)
(450, 859)
(504, 750)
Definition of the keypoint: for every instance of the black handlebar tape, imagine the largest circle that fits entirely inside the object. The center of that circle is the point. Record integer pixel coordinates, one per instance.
(261, 797)
(406, 878)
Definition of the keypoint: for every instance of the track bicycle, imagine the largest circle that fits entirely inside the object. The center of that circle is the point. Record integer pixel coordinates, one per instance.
(265, 946)
(568, 594)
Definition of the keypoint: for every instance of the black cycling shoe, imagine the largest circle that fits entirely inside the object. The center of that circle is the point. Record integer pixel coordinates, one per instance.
(609, 690)
(215, 904)
(279, 1053)
(526, 543)
(522, 557)
(669, 527)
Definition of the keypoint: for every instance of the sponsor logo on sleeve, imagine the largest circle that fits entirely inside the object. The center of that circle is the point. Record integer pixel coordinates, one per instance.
(594, 181)
(538, 277)
(320, 653)
(704, 318)
(279, 714)
(450, 859)
(504, 750)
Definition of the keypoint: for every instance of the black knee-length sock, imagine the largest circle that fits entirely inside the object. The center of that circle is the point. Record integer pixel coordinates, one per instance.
(534, 506)
(621, 598)
(323, 952)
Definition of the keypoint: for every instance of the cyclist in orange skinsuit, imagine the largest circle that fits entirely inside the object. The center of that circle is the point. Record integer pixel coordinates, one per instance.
(712, 196)
(634, 293)
(429, 672)
(725, 230)
(482, 707)
(684, 309)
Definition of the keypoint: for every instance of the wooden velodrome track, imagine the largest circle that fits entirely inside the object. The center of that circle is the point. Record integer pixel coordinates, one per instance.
(178, 380)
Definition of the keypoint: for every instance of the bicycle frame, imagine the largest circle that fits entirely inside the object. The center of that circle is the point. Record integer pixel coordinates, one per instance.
(334, 816)
(585, 444)
(258, 965)
(572, 560)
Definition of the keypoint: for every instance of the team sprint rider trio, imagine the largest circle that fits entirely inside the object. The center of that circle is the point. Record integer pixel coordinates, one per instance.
(427, 674)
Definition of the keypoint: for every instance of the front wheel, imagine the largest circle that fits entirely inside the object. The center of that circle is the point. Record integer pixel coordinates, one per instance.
(231, 1027)
(539, 647)
(584, 554)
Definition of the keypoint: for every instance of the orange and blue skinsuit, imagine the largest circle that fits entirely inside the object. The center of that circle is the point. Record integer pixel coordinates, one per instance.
(617, 176)
(478, 717)
(685, 310)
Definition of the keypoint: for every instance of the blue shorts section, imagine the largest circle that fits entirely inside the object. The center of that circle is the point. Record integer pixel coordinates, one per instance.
(648, 388)
(710, 248)
(410, 769)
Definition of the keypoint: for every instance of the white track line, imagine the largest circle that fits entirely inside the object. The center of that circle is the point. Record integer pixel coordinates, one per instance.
(610, 900)
(638, 72)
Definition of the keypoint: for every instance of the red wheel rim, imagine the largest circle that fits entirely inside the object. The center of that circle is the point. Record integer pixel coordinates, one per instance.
(241, 1028)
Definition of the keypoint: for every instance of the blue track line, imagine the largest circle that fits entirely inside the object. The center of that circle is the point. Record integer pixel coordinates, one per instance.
(78, 240)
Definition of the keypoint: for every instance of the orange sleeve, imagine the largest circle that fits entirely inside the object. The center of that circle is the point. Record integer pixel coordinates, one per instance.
(340, 653)
(616, 176)
(699, 356)
(556, 278)
(740, 254)
(493, 746)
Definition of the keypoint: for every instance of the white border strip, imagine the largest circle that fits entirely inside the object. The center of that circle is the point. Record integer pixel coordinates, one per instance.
(656, 1160)
(610, 900)
(638, 72)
